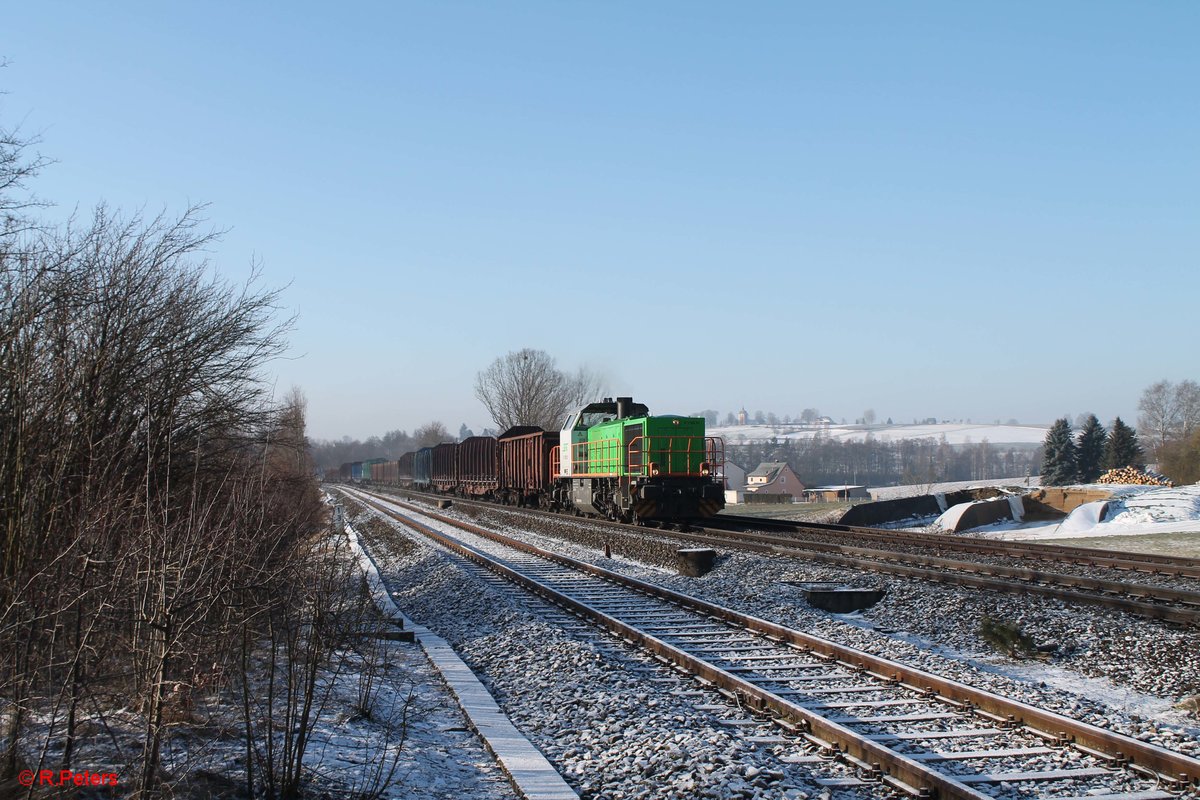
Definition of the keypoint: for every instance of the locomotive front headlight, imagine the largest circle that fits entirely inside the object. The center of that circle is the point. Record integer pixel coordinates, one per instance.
(653, 468)
(705, 469)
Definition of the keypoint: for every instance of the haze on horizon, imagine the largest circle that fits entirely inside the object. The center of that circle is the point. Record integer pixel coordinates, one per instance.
(930, 209)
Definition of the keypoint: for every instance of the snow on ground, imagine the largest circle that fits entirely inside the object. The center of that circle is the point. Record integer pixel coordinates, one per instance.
(1178, 504)
(1133, 511)
(416, 743)
(388, 728)
(955, 433)
(1126, 699)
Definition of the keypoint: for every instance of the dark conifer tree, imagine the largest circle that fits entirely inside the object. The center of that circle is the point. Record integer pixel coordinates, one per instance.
(1122, 448)
(1090, 449)
(1058, 455)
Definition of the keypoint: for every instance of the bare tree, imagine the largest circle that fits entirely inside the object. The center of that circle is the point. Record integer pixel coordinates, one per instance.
(17, 165)
(1187, 397)
(1159, 417)
(431, 433)
(152, 488)
(525, 387)
(869, 417)
(585, 386)
(330, 454)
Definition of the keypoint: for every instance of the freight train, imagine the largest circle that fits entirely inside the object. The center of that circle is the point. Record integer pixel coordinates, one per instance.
(611, 459)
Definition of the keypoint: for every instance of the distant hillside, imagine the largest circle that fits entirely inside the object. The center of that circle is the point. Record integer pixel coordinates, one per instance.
(955, 433)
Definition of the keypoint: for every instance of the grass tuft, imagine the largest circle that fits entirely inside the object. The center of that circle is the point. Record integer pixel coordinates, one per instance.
(1008, 638)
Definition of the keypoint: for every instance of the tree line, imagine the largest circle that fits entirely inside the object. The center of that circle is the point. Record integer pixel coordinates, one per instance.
(330, 453)
(1169, 428)
(522, 387)
(821, 460)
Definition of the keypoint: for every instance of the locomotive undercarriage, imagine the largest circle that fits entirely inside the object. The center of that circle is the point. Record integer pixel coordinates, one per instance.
(641, 499)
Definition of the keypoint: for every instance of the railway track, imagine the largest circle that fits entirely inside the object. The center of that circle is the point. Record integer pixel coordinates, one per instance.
(898, 726)
(1147, 600)
(1032, 551)
(1151, 601)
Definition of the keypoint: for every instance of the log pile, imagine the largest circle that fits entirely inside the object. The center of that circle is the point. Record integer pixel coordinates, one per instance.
(1133, 476)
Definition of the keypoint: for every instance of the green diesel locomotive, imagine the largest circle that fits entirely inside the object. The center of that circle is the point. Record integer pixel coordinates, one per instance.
(615, 460)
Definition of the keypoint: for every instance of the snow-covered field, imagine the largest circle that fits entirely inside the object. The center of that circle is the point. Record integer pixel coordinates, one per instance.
(955, 433)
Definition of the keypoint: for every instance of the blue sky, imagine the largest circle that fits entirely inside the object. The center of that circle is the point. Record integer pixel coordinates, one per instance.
(960, 210)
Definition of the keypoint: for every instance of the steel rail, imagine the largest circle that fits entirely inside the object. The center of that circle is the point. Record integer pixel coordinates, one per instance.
(1151, 563)
(1182, 596)
(1176, 769)
(961, 574)
(902, 773)
(1116, 559)
(1117, 595)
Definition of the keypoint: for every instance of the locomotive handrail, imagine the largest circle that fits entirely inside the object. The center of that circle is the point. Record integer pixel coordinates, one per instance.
(582, 462)
(675, 456)
(644, 456)
(607, 465)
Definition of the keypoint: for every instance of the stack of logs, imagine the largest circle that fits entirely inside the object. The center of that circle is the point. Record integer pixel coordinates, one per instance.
(1132, 475)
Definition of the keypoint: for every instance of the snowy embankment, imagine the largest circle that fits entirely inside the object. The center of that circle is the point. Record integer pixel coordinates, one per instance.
(1132, 511)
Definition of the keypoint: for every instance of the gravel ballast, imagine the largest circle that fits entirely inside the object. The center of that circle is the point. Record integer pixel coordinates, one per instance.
(1142, 667)
(614, 722)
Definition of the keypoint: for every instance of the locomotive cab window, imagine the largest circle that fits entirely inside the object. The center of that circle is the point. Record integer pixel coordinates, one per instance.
(589, 418)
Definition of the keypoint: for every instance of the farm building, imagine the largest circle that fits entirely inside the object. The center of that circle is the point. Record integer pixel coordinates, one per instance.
(833, 494)
(773, 477)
